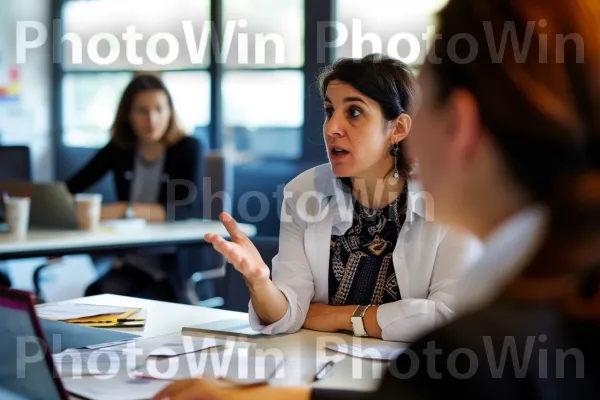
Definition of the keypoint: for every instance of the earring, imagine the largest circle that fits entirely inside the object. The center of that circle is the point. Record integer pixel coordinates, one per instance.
(395, 152)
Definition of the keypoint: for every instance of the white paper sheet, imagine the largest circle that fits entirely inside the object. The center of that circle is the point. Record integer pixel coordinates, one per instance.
(379, 351)
(77, 363)
(123, 357)
(236, 368)
(186, 346)
(299, 370)
(109, 344)
(61, 312)
(120, 387)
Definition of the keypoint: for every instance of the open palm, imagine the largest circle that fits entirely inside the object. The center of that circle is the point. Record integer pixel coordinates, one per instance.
(240, 251)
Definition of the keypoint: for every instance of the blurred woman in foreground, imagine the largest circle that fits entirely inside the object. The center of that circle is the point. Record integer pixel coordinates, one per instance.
(510, 150)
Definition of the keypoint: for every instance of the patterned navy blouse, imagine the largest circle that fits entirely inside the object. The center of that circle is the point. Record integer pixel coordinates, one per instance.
(361, 269)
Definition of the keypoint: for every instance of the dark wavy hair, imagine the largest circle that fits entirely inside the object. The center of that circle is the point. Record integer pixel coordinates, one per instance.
(387, 81)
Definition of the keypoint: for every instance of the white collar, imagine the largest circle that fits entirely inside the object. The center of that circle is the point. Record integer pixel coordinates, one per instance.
(505, 252)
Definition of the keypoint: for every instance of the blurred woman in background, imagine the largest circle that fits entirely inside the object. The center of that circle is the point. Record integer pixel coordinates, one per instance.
(511, 152)
(147, 150)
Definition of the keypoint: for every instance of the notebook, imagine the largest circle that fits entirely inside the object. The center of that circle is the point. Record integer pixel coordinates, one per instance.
(131, 318)
(68, 311)
(235, 327)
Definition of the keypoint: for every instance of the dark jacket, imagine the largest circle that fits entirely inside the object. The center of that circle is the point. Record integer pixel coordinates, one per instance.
(556, 358)
(181, 187)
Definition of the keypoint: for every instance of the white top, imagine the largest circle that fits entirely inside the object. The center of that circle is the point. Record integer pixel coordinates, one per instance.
(427, 258)
(506, 251)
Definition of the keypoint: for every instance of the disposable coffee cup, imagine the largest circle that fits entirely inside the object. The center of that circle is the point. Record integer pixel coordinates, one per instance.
(89, 208)
(16, 214)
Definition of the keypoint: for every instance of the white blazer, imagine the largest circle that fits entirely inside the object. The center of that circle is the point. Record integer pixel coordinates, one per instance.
(505, 252)
(427, 258)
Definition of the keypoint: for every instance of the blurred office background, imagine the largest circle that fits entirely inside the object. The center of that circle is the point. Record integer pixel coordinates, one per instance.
(265, 117)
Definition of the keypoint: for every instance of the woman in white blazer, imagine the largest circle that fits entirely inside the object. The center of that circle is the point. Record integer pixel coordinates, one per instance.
(359, 250)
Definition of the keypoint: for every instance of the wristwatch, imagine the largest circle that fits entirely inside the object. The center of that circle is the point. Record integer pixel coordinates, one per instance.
(358, 325)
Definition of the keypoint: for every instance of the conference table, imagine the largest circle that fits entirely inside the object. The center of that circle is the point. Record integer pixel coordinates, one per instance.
(56, 243)
(304, 351)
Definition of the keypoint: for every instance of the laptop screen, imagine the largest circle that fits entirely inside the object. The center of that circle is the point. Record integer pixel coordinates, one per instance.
(6, 395)
(25, 370)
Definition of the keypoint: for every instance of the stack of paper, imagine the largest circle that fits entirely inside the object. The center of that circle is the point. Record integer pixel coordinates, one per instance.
(65, 311)
(93, 315)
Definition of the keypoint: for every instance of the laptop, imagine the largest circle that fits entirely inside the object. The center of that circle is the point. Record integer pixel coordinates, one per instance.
(51, 204)
(27, 370)
(27, 367)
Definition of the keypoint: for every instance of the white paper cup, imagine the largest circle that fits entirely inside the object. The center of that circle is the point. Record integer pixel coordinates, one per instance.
(16, 213)
(89, 208)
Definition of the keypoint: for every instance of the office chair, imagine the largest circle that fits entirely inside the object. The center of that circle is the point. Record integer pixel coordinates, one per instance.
(15, 165)
(217, 188)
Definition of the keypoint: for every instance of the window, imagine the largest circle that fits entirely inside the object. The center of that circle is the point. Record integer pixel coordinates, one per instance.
(98, 61)
(89, 106)
(264, 112)
(399, 28)
(190, 91)
(263, 84)
(135, 34)
(260, 52)
(274, 31)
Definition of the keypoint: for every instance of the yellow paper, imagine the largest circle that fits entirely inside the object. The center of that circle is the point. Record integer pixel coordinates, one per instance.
(107, 320)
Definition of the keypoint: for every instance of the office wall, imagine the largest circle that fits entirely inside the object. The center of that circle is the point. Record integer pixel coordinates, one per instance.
(26, 120)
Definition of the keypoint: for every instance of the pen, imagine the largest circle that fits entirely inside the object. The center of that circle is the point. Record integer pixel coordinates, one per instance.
(323, 371)
(110, 321)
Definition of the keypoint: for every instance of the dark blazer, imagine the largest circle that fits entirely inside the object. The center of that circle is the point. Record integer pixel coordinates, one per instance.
(182, 176)
(556, 358)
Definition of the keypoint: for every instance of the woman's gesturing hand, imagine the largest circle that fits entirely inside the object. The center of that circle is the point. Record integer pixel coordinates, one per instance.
(240, 251)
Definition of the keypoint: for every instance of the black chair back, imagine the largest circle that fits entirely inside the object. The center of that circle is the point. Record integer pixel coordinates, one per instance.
(15, 163)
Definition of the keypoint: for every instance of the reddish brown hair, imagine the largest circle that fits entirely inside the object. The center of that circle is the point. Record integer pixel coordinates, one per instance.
(542, 109)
